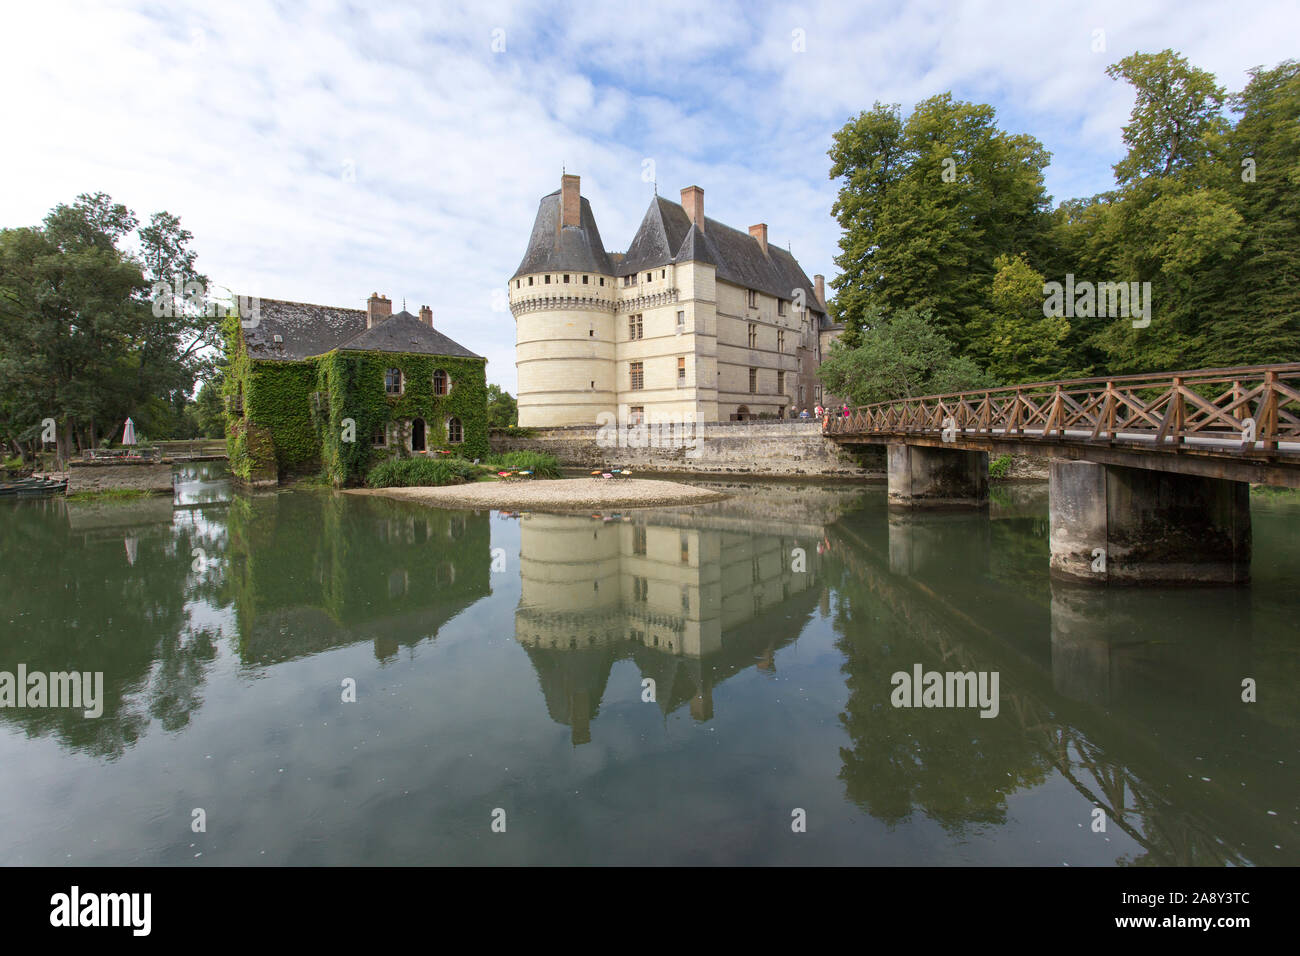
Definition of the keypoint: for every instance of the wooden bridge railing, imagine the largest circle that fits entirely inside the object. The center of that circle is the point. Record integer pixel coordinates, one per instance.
(1251, 408)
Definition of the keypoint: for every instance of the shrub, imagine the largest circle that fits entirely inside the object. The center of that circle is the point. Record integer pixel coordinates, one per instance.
(539, 463)
(419, 472)
(13, 464)
(1000, 467)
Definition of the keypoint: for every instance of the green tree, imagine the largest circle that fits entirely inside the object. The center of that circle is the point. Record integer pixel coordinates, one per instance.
(899, 356)
(1175, 118)
(503, 410)
(926, 205)
(1025, 345)
(79, 341)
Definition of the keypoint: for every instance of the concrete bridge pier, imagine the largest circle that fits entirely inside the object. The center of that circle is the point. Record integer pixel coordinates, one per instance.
(922, 476)
(1116, 525)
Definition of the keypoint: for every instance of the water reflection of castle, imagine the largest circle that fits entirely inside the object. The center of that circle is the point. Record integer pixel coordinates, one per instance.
(688, 605)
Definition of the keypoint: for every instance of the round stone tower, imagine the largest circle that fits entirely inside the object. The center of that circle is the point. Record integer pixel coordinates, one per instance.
(563, 300)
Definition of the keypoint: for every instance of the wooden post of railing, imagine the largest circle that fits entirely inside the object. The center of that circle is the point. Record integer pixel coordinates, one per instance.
(1055, 418)
(1013, 422)
(1266, 420)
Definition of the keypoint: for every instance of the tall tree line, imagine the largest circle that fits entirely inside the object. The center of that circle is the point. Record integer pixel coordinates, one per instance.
(947, 228)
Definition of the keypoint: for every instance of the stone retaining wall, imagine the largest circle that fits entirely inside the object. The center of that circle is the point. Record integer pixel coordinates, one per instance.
(104, 475)
(777, 449)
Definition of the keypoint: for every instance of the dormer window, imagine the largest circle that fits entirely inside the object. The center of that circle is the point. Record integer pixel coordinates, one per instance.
(780, 306)
(393, 381)
(530, 280)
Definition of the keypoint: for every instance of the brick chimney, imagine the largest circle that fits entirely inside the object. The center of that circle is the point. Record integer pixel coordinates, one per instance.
(819, 286)
(759, 232)
(570, 201)
(378, 308)
(693, 203)
(426, 315)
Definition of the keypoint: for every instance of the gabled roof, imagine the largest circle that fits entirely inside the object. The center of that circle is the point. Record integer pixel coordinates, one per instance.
(404, 332)
(555, 248)
(306, 330)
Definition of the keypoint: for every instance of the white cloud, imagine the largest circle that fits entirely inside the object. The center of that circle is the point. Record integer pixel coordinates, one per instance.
(243, 118)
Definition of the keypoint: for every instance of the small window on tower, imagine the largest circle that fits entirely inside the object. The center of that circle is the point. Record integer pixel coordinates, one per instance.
(566, 278)
(530, 280)
(548, 280)
(602, 281)
(586, 280)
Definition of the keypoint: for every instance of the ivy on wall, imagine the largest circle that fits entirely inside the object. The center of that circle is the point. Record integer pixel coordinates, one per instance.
(287, 417)
(352, 386)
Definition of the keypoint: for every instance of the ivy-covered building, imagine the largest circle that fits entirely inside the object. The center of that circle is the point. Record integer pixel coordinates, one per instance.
(318, 389)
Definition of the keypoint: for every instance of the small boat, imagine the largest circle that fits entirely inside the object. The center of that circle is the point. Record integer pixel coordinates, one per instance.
(606, 475)
(32, 487)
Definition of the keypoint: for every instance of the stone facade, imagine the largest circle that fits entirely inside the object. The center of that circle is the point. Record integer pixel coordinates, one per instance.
(696, 322)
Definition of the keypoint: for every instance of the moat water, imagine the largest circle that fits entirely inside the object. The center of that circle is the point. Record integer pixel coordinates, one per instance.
(706, 685)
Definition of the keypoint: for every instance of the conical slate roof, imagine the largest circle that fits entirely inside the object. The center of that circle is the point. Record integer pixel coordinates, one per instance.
(556, 248)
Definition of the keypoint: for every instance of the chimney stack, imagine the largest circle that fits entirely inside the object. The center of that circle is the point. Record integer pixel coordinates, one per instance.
(570, 201)
(426, 315)
(378, 308)
(693, 203)
(759, 232)
(819, 286)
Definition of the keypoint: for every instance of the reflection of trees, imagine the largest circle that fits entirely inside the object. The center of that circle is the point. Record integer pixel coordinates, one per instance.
(312, 571)
(82, 601)
(956, 767)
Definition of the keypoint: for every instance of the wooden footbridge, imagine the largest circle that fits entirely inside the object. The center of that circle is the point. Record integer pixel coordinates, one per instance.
(1149, 478)
(1240, 424)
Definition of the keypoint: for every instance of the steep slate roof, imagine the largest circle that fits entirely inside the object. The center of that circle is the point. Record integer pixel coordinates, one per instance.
(404, 332)
(309, 330)
(668, 235)
(553, 248)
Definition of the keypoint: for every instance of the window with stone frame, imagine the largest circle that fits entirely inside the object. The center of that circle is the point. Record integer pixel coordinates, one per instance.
(441, 382)
(393, 381)
(635, 327)
(455, 433)
(636, 375)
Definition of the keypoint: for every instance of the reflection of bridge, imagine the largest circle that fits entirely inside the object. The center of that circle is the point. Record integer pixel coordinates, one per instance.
(1070, 705)
(1149, 472)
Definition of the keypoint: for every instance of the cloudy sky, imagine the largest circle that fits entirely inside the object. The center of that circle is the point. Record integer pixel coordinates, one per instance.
(321, 151)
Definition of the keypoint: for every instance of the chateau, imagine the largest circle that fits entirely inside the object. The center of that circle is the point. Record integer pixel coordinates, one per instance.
(697, 321)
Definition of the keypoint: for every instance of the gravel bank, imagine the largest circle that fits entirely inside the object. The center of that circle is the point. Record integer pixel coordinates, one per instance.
(560, 494)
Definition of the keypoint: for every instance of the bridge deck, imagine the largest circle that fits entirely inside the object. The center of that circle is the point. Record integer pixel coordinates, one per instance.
(1241, 424)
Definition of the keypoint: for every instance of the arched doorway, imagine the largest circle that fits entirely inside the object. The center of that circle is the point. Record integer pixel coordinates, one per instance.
(742, 414)
(417, 435)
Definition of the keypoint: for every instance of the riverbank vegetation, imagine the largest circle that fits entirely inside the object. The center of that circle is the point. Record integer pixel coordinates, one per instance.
(453, 470)
(949, 239)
